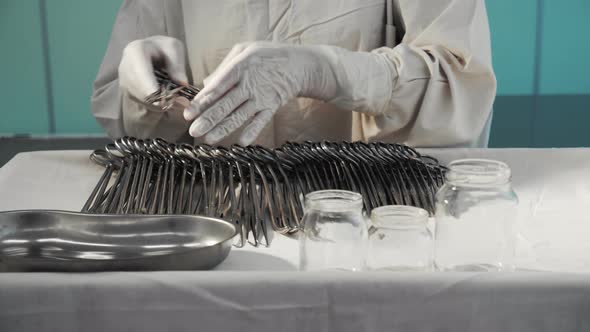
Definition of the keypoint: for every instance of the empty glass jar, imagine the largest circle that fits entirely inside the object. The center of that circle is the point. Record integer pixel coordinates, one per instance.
(399, 239)
(475, 217)
(334, 232)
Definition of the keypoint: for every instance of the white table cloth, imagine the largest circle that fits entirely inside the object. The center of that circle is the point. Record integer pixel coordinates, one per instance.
(258, 288)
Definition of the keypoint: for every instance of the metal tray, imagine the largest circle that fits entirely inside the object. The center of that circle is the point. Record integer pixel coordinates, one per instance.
(41, 240)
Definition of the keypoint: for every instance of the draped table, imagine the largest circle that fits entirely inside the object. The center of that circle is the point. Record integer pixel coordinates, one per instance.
(260, 288)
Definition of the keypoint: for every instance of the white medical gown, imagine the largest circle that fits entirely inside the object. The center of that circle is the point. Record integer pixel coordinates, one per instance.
(442, 95)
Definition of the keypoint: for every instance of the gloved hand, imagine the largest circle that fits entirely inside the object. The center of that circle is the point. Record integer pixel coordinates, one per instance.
(256, 79)
(136, 70)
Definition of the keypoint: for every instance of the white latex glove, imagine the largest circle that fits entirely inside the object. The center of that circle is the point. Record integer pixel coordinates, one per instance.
(256, 79)
(136, 70)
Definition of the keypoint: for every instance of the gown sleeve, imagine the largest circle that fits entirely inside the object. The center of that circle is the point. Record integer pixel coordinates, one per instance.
(445, 85)
(115, 110)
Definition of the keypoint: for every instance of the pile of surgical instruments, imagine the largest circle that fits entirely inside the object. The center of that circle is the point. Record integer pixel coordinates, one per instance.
(253, 185)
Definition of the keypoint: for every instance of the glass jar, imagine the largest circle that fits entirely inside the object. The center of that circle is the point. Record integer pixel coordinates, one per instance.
(476, 213)
(333, 232)
(399, 239)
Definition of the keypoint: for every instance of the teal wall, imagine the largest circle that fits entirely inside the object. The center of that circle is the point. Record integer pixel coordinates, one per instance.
(513, 28)
(540, 51)
(22, 79)
(78, 34)
(50, 87)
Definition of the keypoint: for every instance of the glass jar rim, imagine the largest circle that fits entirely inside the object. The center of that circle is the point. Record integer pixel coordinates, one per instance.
(333, 200)
(478, 172)
(400, 214)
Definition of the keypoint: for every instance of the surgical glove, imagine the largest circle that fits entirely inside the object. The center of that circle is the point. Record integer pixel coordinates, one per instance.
(256, 79)
(136, 69)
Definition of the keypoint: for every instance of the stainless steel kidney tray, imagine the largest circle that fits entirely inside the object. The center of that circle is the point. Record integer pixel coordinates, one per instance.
(41, 240)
